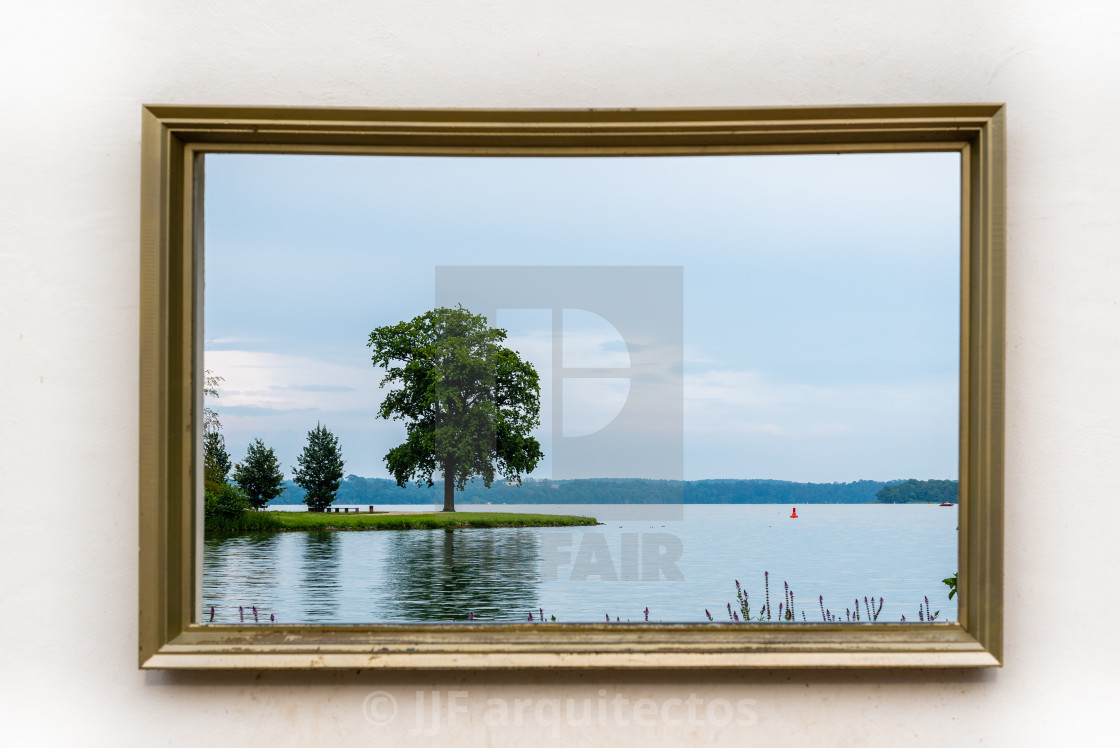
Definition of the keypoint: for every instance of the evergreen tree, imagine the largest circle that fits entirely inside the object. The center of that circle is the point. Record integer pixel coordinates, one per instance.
(320, 469)
(259, 475)
(216, 462)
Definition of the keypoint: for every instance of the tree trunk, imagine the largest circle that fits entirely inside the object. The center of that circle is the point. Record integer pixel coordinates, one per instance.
(448, 487)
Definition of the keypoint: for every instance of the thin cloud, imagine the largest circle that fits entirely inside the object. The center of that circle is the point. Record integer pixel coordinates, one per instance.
(317, 388)
(260, 411)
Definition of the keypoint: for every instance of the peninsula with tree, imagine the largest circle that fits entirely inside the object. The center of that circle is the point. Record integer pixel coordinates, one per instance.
(469, 405)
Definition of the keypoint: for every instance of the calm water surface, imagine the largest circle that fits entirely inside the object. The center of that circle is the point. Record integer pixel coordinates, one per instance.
(677, 561)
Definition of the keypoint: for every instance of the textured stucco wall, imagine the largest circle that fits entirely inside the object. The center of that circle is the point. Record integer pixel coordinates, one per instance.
(74, 77)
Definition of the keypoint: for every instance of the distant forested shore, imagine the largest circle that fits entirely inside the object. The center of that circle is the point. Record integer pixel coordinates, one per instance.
(919, 491)
(363, 491)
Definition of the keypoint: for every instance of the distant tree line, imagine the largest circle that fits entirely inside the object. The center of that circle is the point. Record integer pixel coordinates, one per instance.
(355, 489)
(919, 491)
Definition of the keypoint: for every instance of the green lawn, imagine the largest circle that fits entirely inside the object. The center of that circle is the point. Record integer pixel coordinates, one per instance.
(279, 521)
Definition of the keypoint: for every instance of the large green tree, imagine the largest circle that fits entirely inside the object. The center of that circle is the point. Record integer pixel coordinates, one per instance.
(259, 475)
(320, 469)
(469, 403)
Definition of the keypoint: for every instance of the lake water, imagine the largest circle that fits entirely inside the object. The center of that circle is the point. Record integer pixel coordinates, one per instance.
(676, 560)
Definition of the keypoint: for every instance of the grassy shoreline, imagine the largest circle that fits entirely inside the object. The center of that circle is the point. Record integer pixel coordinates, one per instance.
(330, 521)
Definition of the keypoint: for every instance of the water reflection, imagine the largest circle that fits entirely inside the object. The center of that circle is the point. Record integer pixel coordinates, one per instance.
(321, 574)
(241, 571)
(899, 552)
(443, 575)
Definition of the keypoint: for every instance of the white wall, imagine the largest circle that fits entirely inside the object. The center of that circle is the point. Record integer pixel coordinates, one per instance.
(74, 77)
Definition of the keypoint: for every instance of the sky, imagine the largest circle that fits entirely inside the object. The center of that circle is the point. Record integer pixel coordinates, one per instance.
(820, 299)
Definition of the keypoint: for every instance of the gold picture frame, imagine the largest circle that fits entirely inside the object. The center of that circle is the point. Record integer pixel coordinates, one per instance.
(172, 637)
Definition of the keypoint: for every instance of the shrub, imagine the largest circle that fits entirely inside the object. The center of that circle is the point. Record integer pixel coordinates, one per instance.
(224, 500)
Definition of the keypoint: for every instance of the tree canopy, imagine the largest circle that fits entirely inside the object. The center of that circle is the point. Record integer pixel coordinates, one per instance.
(259, 475)
(469, 403)
(320, 468)
(924, 491)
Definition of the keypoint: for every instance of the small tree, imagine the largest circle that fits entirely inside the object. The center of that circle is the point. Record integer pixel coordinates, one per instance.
(216, 462)
(320, 469)
(210, 420)
(259, 475)
(469, 403)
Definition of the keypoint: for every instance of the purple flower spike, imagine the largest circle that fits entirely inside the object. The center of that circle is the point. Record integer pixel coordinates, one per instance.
(735, 614)
(608, 617)
(211, 614)
(647, 613)
(272, 617)
(470, 616)
(530, 616)
(708, 614)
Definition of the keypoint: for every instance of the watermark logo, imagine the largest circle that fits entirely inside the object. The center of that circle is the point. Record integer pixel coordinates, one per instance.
(645, 307)
(639, 557)
(434, 711)
(379, 708)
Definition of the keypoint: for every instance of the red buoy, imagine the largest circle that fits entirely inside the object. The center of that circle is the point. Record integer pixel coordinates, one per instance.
(794, 515)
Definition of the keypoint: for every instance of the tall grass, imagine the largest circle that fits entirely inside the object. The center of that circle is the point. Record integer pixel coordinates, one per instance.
(248, 521)
(787, 610)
